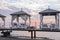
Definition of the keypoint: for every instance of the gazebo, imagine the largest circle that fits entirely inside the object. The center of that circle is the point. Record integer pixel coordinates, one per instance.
(49, 12)
(21, 14)
(3, 18)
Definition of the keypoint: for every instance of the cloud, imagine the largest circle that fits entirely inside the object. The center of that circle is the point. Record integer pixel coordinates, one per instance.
(11, 1)
(13, 8)
(33, 6)
(29, 3)
(5, 12)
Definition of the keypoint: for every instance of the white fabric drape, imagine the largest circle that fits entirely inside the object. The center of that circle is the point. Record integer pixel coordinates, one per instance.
(17, 19)
(3, 21)
(25, 17)
(57, 20)
(13, 18)
(41, 21)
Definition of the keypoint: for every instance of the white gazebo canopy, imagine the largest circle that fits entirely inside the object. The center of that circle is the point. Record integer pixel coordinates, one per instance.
(50, 12)
(21, 14)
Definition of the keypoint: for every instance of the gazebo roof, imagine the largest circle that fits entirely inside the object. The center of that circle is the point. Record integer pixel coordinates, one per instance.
(49, 12)
(2, 15)
(20, 13)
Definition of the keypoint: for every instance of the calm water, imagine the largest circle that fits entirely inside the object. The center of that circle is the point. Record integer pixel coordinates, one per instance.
(51, 35)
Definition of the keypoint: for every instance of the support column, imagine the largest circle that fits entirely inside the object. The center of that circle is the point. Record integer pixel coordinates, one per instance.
(57, 21)
(34, 34)
(31, 34)
(41, 20)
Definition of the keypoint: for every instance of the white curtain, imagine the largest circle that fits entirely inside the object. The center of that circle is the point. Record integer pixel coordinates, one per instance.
(3, 18)
(41, 21)
(57, 21)
(3, 21)
(13, 18)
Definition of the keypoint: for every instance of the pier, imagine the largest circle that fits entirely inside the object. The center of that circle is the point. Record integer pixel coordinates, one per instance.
(33, 31)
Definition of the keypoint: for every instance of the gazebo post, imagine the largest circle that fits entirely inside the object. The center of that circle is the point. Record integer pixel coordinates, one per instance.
(41, 20)
(55, 21)
(58, 20)
(18, 20)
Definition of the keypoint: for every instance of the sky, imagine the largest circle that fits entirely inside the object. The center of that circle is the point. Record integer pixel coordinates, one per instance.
(33, 7)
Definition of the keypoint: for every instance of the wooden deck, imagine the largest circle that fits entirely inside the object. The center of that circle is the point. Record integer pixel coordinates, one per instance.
(33, 31)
